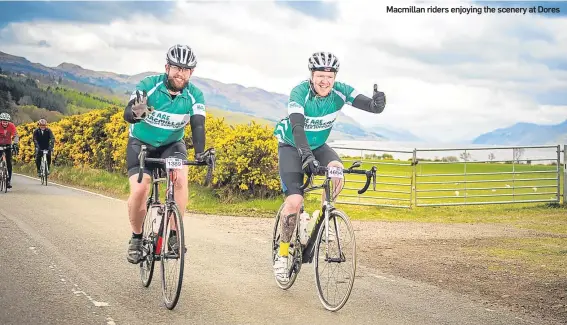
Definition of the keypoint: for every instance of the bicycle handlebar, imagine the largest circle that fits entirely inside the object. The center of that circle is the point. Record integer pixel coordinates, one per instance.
(208, 154)
(370, 175)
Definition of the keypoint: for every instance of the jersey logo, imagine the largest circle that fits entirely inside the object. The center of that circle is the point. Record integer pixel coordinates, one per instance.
(169, 121)
(199, 109)
(318, 124)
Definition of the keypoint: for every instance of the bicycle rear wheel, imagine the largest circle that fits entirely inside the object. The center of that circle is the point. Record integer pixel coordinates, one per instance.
(172, 257)
(148, 245)
(337, 260)
(294, 258)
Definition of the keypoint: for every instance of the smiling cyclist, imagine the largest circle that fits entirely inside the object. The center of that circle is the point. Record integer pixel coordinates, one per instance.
(312, 110)
(159, 111)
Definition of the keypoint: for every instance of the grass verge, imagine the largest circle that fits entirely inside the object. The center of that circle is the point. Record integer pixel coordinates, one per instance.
(542, 217)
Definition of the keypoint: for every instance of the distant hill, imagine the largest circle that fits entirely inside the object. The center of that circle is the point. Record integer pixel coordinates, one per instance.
(525, 134)
(253, 102)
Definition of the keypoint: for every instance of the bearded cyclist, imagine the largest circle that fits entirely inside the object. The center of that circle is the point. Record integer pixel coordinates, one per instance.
(8, 134)
(312, 110)
(159, 111)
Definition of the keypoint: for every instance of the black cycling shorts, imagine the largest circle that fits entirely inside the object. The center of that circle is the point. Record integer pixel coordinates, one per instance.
(134, 146)
(291, 174)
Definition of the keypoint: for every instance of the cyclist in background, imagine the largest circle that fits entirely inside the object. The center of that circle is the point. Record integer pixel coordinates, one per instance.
(312, 110)
(43, 139)
(8, 134)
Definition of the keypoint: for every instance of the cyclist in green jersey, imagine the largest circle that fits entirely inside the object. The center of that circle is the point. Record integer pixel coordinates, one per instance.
(312, 110)
(158, 112)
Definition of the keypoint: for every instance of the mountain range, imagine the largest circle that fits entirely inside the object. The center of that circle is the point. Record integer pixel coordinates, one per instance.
(526, 134)
(234, 98)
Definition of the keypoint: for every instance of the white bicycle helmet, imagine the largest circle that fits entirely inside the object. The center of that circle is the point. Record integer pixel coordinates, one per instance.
(181, 56)
(324, 61)
(5, 117)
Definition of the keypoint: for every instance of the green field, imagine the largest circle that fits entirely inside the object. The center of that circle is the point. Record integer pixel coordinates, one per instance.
(453, 183)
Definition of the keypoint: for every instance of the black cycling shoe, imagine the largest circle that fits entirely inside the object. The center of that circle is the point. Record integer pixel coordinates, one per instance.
(135, 250)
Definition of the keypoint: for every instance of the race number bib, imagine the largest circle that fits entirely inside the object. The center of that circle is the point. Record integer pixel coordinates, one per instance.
(335, 172)
(173, 163)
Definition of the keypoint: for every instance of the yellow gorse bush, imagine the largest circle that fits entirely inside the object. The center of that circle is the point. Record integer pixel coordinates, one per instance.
(247, 161)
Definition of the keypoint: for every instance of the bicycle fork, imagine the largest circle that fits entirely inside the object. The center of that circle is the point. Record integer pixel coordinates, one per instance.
(341, 257)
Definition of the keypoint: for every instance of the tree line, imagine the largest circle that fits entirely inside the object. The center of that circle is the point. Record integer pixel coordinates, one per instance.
(27, 92)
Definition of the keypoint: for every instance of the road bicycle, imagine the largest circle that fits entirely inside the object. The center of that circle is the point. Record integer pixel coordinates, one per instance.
(4, 168)
(325, 241)
(157, 244)
(44, 169)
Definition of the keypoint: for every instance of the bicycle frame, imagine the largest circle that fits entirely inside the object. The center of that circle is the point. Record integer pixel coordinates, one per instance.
(44, 158)
(326, 209)
(153, 198)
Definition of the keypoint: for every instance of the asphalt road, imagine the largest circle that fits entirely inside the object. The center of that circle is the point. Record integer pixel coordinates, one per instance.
(63, 261)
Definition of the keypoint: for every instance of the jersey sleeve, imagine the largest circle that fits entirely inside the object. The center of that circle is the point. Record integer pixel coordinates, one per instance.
(297, 99)
(199, 104)
(347, 92)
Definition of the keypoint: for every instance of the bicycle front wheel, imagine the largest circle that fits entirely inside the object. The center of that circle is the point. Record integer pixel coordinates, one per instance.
(44, 172)
(3, 177)
(172, 256)
(335, 261)
(3, 180)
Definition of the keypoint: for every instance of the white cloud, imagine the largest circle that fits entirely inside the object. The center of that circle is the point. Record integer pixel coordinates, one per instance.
(443, 73)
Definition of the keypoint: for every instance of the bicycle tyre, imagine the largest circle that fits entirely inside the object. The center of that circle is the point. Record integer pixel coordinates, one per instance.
(44, 171)
(320, 292)
(3, 180)
(4, 177)
(171, 302)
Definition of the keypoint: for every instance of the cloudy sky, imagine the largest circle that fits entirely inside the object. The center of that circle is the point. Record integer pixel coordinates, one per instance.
(447, 77)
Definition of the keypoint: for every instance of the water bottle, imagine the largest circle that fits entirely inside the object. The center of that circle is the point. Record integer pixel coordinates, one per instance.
(312, 221)
(303, 221)
(155, 215)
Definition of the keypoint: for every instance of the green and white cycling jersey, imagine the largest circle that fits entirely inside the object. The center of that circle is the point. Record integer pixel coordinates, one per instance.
(167, 122)
(320, 112)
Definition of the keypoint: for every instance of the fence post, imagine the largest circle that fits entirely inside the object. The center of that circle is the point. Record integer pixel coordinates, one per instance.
(414, 179)
(565, 174)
